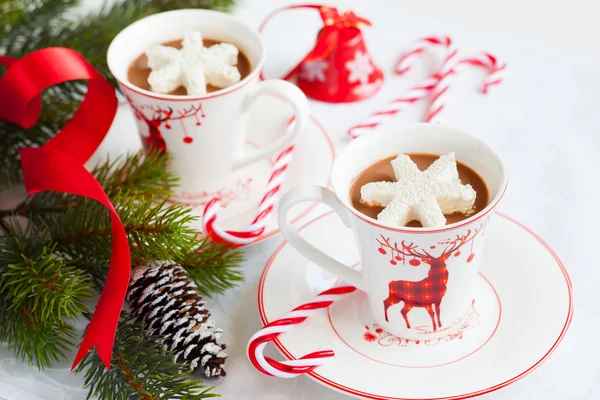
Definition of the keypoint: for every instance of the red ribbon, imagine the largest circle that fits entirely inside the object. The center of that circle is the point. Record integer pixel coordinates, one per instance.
(58, 164)
(328, 37)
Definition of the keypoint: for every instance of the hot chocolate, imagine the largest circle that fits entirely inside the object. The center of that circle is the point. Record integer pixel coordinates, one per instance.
(139, 71)
(382, 171)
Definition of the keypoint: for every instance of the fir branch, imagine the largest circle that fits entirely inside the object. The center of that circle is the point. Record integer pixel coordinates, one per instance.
(155, 230)
(144, 173)
(212, 267)
(46, 285)
(41, 204)
(21, 18)
(69, 231)
(39, 290)
(165, 5)
(45, 24)
(139, 369)
(40, 343)
(82, 229)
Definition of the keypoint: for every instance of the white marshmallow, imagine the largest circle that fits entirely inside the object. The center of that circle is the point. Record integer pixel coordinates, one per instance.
(193, 41)
(424, 196)
(167, 78)
(192, 66)
(158, 56)
(221, 76)
(193, 79)
(225, 52)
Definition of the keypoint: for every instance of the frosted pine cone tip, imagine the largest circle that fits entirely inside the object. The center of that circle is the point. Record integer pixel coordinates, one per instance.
(168, 306)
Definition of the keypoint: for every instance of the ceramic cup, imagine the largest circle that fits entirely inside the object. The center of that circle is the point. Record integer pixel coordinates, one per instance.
(205, 135)
(419, 281)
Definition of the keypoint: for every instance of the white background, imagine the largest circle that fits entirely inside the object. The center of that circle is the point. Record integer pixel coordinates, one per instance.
(542, 120)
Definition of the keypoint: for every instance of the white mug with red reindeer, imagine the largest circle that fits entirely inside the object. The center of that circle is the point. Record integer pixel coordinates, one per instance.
(204, 134)
(419, 281)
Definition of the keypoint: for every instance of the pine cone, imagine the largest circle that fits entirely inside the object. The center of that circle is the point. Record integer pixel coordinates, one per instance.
(167, 304)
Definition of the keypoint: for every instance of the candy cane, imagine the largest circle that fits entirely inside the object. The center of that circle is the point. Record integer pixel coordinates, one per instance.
(415, 94)
(394, 107)
(442, 85)
(495, 70)
(406, 62)
(306, 363)
(440, 81)
(267, 204)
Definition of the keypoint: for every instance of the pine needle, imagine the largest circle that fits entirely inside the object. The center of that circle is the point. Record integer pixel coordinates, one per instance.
(39, 292)
(140, 370)
(212, 267)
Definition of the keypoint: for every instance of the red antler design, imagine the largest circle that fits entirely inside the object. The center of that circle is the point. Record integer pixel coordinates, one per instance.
(461, 240)
(189, 112)
(406, 250)
(160, 115)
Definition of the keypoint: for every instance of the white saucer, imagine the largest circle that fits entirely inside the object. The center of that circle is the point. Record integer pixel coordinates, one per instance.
(243, 190)
(522, 309)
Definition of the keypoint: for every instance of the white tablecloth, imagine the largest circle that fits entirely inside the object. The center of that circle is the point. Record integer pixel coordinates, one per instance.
(542, 120)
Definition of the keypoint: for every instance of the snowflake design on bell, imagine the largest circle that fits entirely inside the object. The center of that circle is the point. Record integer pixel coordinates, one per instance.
(360, 68)
(314, 70)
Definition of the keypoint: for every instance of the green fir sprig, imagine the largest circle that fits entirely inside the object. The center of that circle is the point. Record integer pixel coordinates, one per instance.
(38, 342)
(41, 294)
(140, 369)
(50, 269)
(211, 266)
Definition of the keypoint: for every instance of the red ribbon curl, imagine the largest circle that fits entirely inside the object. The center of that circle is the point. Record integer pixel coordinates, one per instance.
(59, 164)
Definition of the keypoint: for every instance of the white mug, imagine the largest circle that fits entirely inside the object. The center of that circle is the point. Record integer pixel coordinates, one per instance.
(419, 281)
(205, 135)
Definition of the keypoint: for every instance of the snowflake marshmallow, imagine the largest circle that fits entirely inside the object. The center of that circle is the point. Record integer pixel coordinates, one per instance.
(424, 196)
(193, 66)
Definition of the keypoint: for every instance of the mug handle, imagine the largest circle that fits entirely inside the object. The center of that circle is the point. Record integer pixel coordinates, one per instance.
(299, 103)
(317, 193)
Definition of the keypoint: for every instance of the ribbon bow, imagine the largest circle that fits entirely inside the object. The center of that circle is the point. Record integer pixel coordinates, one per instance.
(348, 19)
(58, 164)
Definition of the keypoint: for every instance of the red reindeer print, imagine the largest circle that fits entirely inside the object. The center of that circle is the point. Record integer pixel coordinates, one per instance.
(429, 292)
(158, 116)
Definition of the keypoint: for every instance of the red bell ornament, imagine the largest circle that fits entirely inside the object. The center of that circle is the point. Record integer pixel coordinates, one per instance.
(339, 69)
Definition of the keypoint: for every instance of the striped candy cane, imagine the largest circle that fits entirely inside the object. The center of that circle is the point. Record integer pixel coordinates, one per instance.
(293, 368)
(267, 204)
(442, 85)
(394, 107)
(407, 59)
(415, 94)
(494, 68)
(490, 63)
(437, 83)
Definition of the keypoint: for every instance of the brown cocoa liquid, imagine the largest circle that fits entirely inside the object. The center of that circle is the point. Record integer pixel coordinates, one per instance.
(138, 70)
(382, 171)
